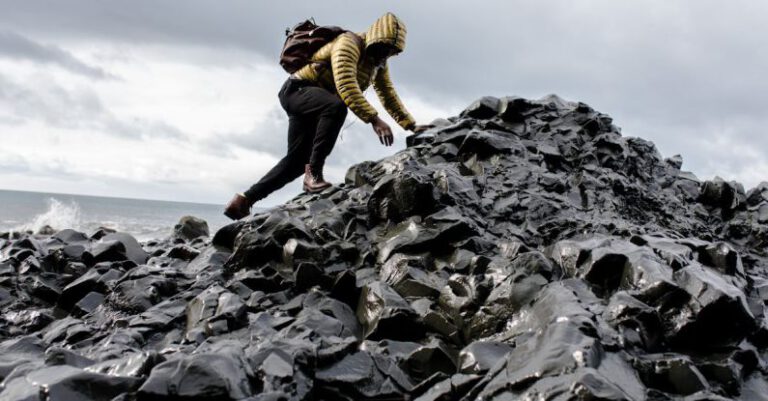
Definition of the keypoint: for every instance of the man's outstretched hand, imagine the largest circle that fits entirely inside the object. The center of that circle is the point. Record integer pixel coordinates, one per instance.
(383, 131)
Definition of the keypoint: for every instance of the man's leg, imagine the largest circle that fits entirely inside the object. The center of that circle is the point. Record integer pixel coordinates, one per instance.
(291, 166)
(315, 119)
(330, 120)
(330, 112)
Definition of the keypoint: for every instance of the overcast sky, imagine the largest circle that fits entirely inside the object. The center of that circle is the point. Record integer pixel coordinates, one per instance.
(177, 100)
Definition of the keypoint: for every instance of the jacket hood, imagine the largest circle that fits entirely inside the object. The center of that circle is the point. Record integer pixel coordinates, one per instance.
(387, 29)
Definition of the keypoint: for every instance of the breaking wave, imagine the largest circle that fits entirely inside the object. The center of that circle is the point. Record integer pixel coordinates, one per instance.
(144, 219)
(58, 215)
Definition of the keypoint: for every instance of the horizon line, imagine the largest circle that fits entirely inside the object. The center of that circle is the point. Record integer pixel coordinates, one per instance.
(106, 196)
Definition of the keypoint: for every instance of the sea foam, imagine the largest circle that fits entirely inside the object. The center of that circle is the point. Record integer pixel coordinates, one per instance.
(58, 215)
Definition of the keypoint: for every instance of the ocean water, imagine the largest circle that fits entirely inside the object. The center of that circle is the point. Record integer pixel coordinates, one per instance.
(144, 219)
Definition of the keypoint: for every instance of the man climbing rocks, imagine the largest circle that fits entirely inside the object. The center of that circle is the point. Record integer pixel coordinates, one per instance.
(316, 98)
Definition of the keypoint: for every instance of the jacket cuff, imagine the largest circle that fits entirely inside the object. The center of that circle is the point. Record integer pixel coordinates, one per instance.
(408, 124)
(367, 119)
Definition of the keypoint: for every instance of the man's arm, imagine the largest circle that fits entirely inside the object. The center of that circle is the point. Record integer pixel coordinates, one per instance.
(384, 88)
(344, 59)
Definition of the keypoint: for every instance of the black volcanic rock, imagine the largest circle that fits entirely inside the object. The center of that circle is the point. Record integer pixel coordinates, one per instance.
(205, 376)
(67, 383)
(524, 249)
(191, 227)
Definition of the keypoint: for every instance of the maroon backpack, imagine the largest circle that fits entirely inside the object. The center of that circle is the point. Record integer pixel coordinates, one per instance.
(303, 41)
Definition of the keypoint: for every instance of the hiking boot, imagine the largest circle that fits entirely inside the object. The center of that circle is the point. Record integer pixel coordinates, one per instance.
(313, 179)
(238, 207)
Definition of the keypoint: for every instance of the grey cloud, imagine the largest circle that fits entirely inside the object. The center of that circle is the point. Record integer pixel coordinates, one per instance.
(11, 120)
(13, 163)
(51, 104)
(269, 136)
(57, 168)
(75, 109)
(609, 54)
(141, 128)
(440, 32)
(16, 46)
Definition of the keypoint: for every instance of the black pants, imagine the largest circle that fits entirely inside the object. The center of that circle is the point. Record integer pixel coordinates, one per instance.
(315, 117)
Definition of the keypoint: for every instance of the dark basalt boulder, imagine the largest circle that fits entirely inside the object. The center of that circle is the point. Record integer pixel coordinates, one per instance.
(362, 375)
(397, 197)
(214, 311)
(725, 195)
(712, 298)
(481, 356)
(198, 377)
(67, 383)
(522, 250)
(142, 287)
(117, 247)
(191, 227)
(385, 314)
(137, 364)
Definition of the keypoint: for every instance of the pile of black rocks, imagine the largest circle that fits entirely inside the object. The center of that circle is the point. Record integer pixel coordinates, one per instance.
(523, 250)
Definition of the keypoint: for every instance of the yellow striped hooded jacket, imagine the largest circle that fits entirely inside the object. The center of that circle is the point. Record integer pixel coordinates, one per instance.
(350, 74)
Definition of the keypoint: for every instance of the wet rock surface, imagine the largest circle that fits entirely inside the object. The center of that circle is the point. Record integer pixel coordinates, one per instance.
(524, 249)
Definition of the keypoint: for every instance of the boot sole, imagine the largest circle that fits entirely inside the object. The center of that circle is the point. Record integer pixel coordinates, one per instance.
(316, 190)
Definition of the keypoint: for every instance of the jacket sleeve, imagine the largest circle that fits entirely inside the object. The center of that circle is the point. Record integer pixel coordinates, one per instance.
(389, 99)
(344, 58)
